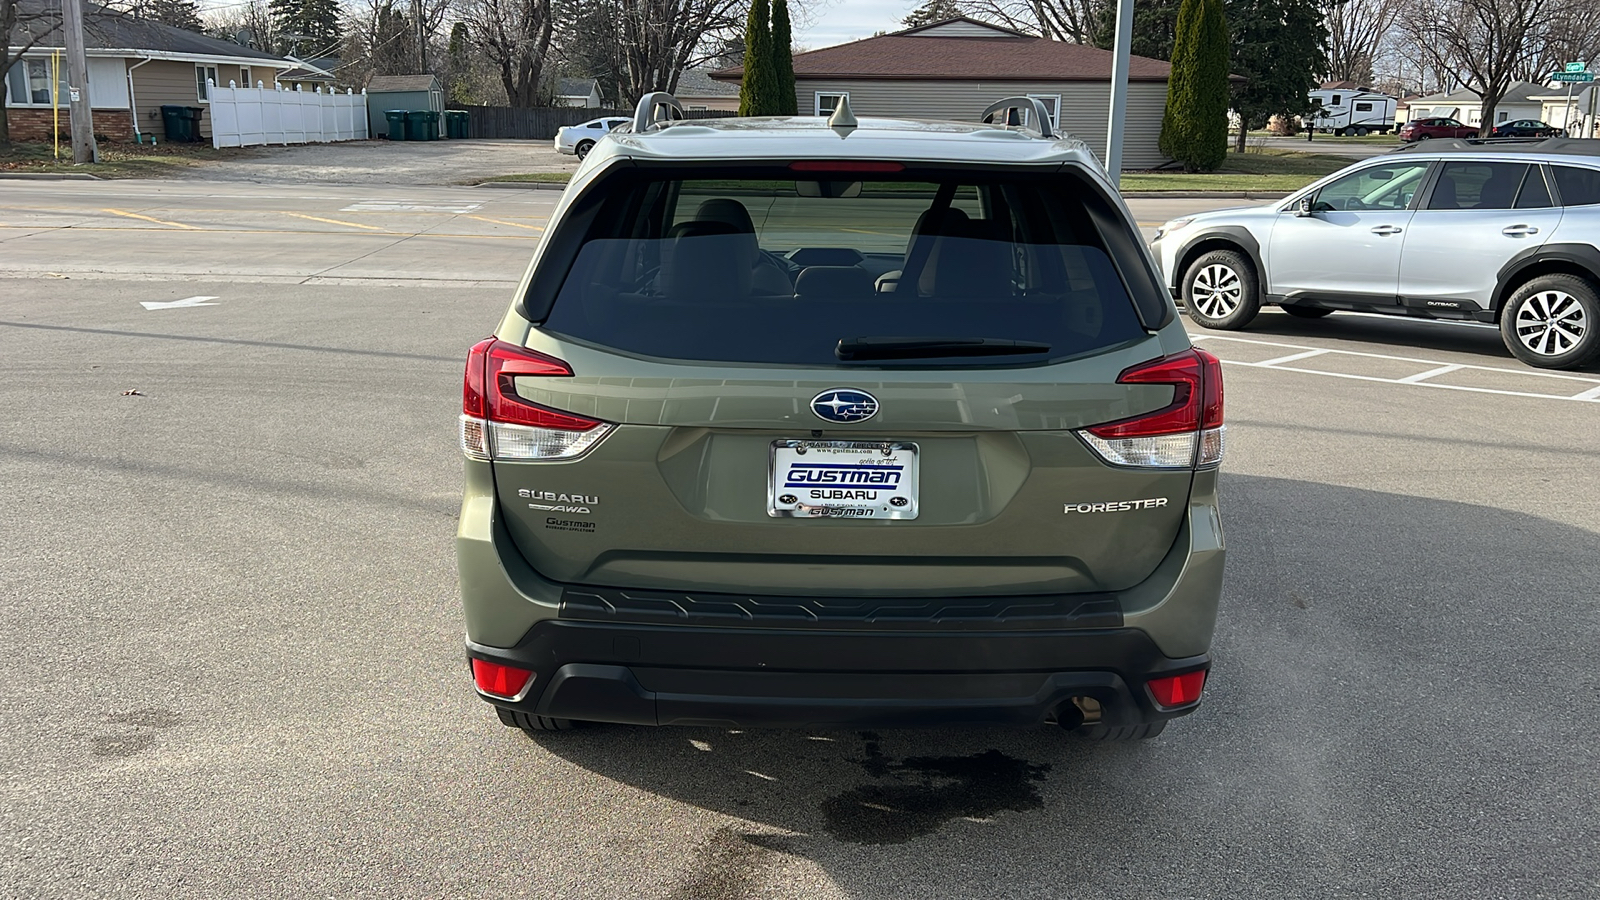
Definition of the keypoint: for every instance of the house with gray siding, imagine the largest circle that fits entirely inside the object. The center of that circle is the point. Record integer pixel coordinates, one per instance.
(954, 68)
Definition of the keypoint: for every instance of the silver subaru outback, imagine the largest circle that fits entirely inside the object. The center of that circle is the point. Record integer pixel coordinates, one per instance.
(1495, 233)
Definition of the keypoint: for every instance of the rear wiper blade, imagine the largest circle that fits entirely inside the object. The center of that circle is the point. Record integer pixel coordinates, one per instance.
(863, 348)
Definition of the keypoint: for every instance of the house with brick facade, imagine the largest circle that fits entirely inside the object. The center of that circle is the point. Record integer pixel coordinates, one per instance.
(135, 67)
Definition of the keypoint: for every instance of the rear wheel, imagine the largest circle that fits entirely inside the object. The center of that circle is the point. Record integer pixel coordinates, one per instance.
(531, 723)
(1307, 312)
(1219, 290)
(1108, 733)
(1423, 137)
(583, 148)
(1362, 132)
(1553, 322)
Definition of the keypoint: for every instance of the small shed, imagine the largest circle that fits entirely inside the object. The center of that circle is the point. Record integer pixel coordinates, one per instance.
(410, 92)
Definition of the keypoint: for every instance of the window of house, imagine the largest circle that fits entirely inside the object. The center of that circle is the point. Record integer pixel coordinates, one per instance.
(1052, 103)
(28, 84)
(827, 103)
(201, 75)
(244, 77)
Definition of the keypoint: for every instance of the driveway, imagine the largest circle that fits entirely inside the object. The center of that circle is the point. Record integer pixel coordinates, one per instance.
(387, 162)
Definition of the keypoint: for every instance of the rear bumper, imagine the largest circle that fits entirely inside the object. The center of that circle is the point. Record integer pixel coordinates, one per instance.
(744, 677)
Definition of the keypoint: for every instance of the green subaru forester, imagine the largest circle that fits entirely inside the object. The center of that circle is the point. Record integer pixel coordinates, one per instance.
(841, 423)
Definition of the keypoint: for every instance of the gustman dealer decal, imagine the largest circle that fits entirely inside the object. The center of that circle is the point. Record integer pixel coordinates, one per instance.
(839, 481)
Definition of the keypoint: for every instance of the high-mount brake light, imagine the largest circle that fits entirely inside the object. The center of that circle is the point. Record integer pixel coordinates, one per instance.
(1178, 690)
(1188, 432)
(845, 165)
(496, 423)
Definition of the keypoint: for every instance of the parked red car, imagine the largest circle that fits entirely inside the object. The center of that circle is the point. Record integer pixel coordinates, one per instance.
(1437, 127)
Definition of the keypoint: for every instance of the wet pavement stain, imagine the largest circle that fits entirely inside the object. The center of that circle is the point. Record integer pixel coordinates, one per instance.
(116, 745)
(724, 868)
(929, 791)
(149, 717)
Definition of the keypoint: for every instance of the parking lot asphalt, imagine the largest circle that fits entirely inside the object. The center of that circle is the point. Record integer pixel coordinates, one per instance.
(234, 664)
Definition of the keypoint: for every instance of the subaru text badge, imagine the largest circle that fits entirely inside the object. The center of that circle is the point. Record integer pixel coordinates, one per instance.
(844, 405)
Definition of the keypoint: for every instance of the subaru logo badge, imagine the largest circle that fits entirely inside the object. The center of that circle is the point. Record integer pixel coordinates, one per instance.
(844, 405)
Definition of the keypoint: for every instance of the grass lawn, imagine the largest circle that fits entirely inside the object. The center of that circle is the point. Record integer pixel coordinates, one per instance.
(116, 160)
(1256, 169)
(540, 177)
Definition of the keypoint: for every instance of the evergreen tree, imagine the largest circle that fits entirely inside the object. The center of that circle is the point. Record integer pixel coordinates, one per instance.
(306, 27)
(755, 89)
(183, 14)
(1279, 46)
(1194, 130)
(933, 11)
(1154, 24)
(785, 101)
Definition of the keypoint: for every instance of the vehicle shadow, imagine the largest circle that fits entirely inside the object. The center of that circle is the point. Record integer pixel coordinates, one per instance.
(1412, 337)
(1399, 680)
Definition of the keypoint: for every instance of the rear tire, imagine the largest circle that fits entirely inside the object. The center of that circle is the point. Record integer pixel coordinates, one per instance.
(1362, 132)
(1219, 290)
(1113, 733)
(1553, 322)
(532, 724)
(1423, 137)
(583, 148)
(1307, 312)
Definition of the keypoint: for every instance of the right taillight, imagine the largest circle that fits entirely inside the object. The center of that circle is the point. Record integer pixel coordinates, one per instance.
(496, 423)
(1188, 432)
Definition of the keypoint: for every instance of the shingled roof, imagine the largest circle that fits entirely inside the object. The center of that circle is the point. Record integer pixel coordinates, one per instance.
(106, 31)
(992, 54)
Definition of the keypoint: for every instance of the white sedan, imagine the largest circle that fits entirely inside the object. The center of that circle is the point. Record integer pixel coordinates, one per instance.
(579, 139)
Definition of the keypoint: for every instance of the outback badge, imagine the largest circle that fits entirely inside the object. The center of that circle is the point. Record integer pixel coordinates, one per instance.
(844, 405)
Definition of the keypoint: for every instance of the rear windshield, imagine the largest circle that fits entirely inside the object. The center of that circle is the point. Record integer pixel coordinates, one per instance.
(982, 270)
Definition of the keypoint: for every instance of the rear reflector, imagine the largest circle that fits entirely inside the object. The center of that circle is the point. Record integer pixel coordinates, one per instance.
(496, 423)
(1186, 432)
(1178, 690)
(504, 682)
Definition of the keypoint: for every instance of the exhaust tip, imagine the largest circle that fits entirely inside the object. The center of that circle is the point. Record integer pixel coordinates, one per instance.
(1068, 715)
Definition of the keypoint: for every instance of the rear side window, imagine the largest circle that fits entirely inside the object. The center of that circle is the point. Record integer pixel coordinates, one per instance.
(1477, 185)
(782, 271)
(1535, 194)
(1578, 187)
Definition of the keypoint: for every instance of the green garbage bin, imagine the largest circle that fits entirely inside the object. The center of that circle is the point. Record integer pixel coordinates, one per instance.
(455, 122)
(416, 130)
(193, 114)
(430, 124)
(397, 123)
(177, 125)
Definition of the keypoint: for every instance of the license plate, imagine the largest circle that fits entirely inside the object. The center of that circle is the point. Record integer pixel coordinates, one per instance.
(843, 480)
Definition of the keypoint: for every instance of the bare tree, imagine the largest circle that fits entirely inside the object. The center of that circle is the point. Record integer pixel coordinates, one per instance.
(1075, 21)
(23, 25)
(637, 46)
(1356, 33)
(514, 36)
(1483, 45)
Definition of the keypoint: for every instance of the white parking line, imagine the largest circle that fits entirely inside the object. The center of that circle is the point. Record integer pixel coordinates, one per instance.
(1434, 369)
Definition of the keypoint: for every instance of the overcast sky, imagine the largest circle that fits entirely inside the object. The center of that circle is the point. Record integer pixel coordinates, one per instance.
(830, 22)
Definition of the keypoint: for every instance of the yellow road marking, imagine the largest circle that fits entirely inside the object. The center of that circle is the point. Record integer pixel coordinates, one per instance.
(512, 224)
(123, 212)
(336, 221)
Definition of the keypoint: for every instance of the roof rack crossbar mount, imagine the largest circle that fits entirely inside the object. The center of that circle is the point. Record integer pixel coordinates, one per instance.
(1037, 112)
(644, 115)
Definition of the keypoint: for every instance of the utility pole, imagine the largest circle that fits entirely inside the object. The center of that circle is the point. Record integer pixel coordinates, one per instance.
(83, 148)
(1119, 91)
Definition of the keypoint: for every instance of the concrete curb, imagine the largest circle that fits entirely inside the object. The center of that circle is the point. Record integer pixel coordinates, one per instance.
(1205, 195)
(525, 185)
(51, 176)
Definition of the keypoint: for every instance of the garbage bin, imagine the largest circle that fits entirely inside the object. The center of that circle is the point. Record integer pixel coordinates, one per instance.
(397, 123)
(455, 122)
(416, 130)
(176, 123)
(193, 114)
(430, 126)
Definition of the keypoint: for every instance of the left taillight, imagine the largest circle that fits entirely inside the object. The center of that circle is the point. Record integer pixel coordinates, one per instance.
(496, 423)
(1186, 433)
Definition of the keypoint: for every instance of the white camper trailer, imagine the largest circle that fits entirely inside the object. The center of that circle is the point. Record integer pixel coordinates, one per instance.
(1355, 112)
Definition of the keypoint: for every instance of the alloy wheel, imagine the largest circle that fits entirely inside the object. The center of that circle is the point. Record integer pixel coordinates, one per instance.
(1551, 322)
(1217, 291)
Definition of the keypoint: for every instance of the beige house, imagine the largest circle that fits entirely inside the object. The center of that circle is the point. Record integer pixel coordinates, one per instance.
(698, 90)
(136, 66)
(955, 68)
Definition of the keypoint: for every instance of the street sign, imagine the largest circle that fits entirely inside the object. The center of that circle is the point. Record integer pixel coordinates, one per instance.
(1578, 77)
(1577, 67)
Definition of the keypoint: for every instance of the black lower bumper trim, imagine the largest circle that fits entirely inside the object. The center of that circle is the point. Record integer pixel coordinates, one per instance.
(740, 677)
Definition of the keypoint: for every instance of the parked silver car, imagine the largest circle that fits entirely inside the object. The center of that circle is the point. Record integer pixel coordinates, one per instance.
(1502, 233)
(580, 139)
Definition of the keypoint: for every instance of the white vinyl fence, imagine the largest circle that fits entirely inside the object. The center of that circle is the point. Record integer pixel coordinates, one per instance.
(243, 116)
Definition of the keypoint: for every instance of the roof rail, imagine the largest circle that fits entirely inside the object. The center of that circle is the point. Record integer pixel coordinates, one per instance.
(1561, 146)
(1041, 115)
(644, 115)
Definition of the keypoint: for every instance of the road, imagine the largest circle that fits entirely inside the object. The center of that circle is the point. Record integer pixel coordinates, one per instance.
(234, 664)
